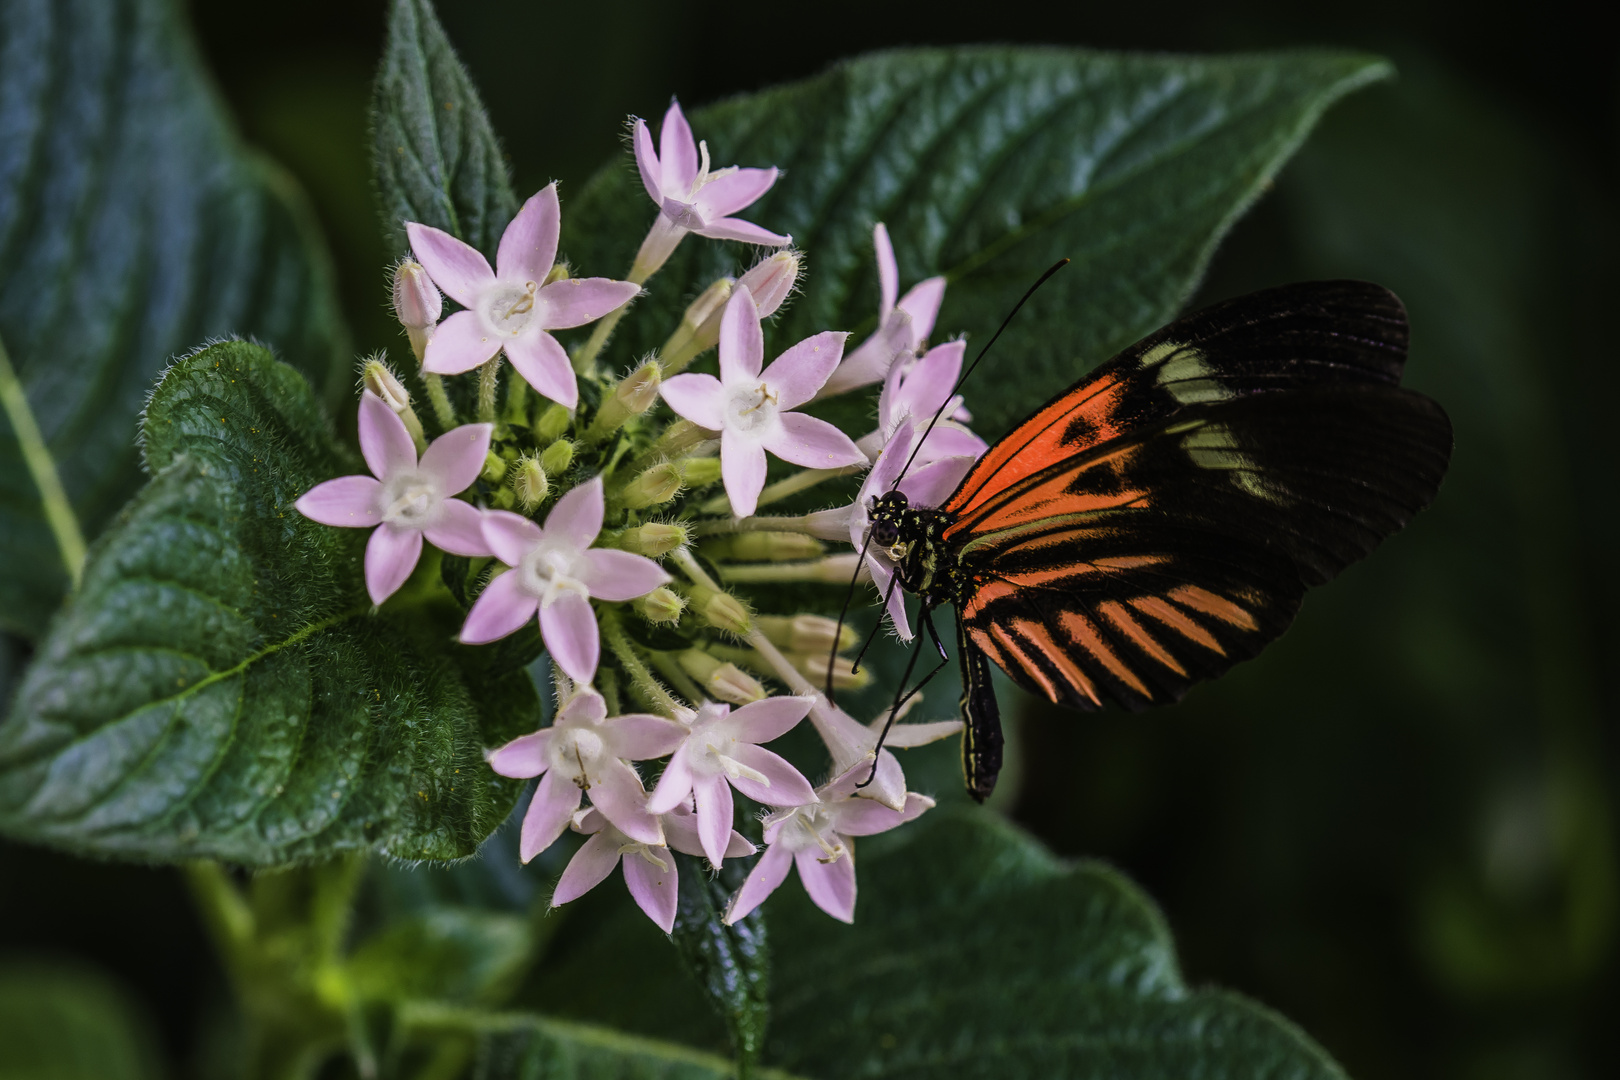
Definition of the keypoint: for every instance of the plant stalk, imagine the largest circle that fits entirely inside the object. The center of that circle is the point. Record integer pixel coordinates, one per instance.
(42, 467)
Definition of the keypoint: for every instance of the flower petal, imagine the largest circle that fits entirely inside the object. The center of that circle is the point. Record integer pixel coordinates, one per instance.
(348, 502)
(731, 192)
(865, 817)
(510, 536)
(830, 884)
(888, 270)
(903, 736)
(929, 383)
(620, 575)
(672, 790)
(742, 467)
(654, 890)
(569, 629)
(459, 530)
(577, 517)
(922, 302)
(764, 879)
(584, 706)
(730, 228)
(948, 440)
(896, 608)
(459, 271)
(524, 756)
(589, 867)
(872, 360)
(887, 467)
(769, 719)
(696, 398)
(677, 153)
(799, 372)
(642, 736)
(739, 848)
(647, 161)
(816, 444)
(391, 555)
(460, 343)
(456, 457)
(384, 442)
(555, 800)
(577, 301)
(742, 341)
(543, 363)
(933, 483)
(714, 814)
(787, 787)
(656, 247)
(529, 244)
(502, 608)
(616, 791)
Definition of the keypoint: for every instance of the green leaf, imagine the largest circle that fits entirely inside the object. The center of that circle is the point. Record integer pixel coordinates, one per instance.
(434, 155)
(221, 687)
(451, 954)
(69, 1023)
(988, 165)
(525, 1048)
(731, 963)
(134, 224)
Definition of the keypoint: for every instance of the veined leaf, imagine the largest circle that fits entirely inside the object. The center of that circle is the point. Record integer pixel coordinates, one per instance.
(220, 685)
(133, 224)
(731, 963)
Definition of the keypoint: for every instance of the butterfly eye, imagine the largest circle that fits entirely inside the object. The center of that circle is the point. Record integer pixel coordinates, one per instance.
(885, 534)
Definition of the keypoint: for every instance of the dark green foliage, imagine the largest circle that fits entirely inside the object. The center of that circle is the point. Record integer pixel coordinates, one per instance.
(220, 686)
(63, 1022)
(434, 156)
(988, 165)
(448, 954)
(133, 225)
(522, 1048)
(731, 963)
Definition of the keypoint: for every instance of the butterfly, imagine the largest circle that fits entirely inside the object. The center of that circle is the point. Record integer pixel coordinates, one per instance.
(1162, 518)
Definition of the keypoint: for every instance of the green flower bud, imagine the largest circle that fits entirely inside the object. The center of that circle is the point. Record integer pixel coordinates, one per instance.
(662, 605)
(634, 395)
(683, 345)
(554, 420)
(654, 539)
(720, 610)
(557, 457)
(529, 481)
(559, 272)
(764, 547)
(700, 471)
(656, 486)
(813, 666)
(805, 633)
(494, 467)
(721, 681)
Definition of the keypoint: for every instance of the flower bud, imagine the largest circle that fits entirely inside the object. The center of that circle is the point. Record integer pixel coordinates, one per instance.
(662, 605)
(529, 481)
(634, 395)
(700, 471)
(554, 420)
(559, 272)
(656, 486)
(376, 376)
(764, 547)
(720, 610)
(722, 681)
(769, 282)
(654, 539)
(417, 304)
(805, 633)
(494, 467)
(556, 458)
(682, 345)
(813, 666)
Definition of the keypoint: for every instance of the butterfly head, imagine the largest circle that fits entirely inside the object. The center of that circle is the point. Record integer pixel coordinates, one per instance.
(887, 512)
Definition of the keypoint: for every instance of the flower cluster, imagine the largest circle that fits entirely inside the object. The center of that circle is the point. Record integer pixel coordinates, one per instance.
(582, 504)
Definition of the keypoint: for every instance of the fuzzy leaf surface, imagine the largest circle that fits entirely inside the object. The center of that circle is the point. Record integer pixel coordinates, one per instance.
(133, 225)
(731, 963)
(220, 686)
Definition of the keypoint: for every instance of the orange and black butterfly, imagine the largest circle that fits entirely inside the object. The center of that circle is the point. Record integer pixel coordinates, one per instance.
(1161, 519)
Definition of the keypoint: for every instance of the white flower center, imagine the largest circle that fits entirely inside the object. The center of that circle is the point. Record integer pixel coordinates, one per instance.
(710, 756)
(645, 851)
(751, 409)
(549, 571)
(575, 753)
(509, 308)
(811, 826)
(410, 499)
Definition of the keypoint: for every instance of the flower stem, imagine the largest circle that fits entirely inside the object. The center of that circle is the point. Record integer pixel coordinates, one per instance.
(517, 400)
(646, 687)
(443, 411)
(833, 570)
(486, 390)
(585, 358)
(802, 481)
(670, 669)
(726, 526)
(42, 467)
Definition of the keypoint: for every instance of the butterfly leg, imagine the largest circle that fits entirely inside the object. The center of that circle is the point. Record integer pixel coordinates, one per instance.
(981, 736)
(902, 695)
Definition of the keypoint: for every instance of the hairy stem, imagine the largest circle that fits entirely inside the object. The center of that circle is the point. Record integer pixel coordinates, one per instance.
(443, 411)
(487, 378)
(680, 680)
(42, 467)
(832, 570)
(802, 481)
(646, 687)
(724, 526)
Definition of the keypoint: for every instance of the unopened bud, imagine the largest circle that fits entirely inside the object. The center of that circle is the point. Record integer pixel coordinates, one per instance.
(494, 467)
(769, 282)
(556, 458)
(654, 539)
(764, 547)
(813, 666)
(554, 420)
(722, 681)
(682, 345)
(805, 633)
(700, 471)
(417, 304)
(634, 395)
(720, 610)
(559, 272)
(656, 486)
(376, 377)
(529, 481)
(662, 605)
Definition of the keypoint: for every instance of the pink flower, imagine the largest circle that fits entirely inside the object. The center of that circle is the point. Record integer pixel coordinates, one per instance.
(689, 197)
(913, 392)
(584, 751)
(751, 409)
(903, 327)
(512, 307)
(818, 838)
(723, 752)
(649, 871)
(404, 498)
(556, 572)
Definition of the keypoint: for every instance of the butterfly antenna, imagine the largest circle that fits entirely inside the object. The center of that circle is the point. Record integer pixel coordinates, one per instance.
(915, 450)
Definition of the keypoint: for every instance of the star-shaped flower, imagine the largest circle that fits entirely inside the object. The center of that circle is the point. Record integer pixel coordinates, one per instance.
(723, 752)
(751, 408)
(916, 389)
(404, 498)
(819, 839)
(512, 307)
(649, 871)
(903, 326)
(584, 751)
(691, 198)
(556, 572)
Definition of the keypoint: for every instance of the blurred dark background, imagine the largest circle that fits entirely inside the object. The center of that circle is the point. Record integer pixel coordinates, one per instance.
(1398, 826)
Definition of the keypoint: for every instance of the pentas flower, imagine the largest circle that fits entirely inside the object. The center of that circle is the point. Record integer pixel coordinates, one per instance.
(555, 571)
(819, 839)
(852, 745)
(903, 325)
(723, 752)
(649, 871)
(405, 499)
(751, 408)
(914, 391)
(691, 198)
(512, 307)
(584, 751)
